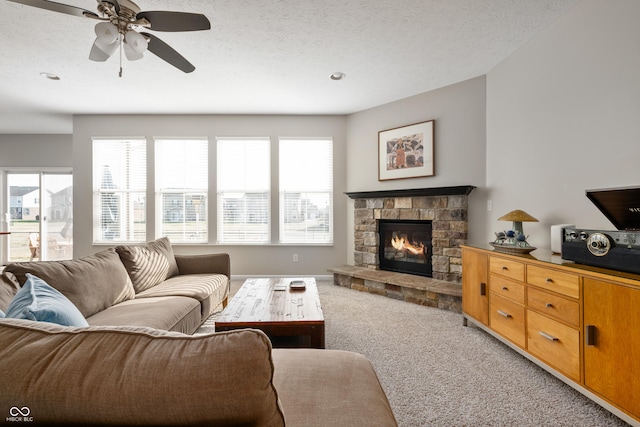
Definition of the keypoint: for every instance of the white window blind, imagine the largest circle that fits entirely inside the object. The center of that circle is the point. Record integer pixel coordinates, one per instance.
(306, 191)
(244, 196)
(181, 169)
(119, 190)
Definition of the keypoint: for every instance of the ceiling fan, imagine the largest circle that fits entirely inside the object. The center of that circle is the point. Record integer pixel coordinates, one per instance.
(119, 20)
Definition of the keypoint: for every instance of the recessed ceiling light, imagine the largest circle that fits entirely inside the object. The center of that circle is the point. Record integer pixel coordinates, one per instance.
(338, 75)
(49, 76)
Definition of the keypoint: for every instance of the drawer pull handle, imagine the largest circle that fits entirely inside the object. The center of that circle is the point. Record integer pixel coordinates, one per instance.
(591, 335)
(547, 336)
(483, 289)
(548, 280)
(548, 305)
(504, 267)
(504, 288)
(503, 314)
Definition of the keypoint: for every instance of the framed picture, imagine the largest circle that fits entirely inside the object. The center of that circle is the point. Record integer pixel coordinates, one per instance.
(406, 152)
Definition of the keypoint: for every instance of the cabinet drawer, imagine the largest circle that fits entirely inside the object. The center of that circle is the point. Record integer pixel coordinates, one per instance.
(507, 268)
(507, 318)
(507, 288)
(556, 344)
(556, 281)
(554, 306)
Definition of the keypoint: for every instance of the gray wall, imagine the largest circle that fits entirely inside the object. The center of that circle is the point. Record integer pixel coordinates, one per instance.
(459, 145)
(246, 260)
(18, 151)
(563, 116)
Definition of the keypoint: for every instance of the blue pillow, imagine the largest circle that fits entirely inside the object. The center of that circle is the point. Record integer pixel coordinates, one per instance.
(37, 300)
(1, 314)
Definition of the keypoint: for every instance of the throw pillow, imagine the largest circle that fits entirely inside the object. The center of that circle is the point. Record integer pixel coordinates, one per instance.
(92, 283)
(36, 300)
(148, 264)
(1, 314)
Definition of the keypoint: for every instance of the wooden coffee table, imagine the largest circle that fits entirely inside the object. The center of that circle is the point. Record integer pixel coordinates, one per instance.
(290, 318)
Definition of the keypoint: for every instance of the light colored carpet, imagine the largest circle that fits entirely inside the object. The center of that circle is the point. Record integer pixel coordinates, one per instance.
(437, 372)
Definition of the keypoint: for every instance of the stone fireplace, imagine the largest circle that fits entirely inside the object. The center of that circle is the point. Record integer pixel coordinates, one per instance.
(446, 208)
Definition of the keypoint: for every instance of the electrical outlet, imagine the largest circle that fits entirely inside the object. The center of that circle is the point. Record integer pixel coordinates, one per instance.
(489, 205)
(295, 257)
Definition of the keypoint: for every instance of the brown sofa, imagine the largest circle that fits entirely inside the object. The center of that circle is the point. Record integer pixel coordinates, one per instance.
(136, 285)
(133, 364)
(97, 375)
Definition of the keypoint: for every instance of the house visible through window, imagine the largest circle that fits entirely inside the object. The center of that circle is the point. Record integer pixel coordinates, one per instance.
(306, 191)
(244, 196)
(303, 181)
(181, 189)
(119, 190)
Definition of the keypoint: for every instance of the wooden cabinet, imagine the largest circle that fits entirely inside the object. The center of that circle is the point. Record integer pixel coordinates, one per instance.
(475, 285)
(581, 324)
(612, 345)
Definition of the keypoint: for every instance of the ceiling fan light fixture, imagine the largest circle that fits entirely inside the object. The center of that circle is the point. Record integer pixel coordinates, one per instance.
(136, 41)
(131, 53)
(108, 48)
(106, 32)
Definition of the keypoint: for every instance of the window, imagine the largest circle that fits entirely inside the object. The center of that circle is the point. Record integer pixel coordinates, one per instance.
(119, 190)
(306, 191)
(40, 215)
(244, 197)
(181, 189)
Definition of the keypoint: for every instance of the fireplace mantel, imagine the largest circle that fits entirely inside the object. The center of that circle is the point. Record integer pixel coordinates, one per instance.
(414, 192)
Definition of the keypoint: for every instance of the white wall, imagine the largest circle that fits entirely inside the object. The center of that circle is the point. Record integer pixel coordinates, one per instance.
(459, 145)
(563, 116)
(245, 260)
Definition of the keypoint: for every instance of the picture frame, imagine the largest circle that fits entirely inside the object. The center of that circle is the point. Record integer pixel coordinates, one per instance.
(406, 151)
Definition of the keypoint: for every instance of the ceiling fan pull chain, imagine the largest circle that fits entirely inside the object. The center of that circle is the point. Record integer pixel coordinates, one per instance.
(120, 74)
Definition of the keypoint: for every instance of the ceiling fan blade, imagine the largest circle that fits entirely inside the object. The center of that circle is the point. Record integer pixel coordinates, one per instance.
(57, 7)
(167, 53)
(175, 21)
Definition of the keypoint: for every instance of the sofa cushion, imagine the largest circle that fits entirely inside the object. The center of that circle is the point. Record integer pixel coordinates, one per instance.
(203, 287)
(38, 301)
(91, 283)
(148, 264)
(137, 376)
(180, 314)
(320, 388)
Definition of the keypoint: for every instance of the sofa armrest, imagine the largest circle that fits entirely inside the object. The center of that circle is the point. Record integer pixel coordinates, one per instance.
(203, 264)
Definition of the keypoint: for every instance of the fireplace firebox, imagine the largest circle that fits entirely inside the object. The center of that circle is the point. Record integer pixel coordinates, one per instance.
(405, 246)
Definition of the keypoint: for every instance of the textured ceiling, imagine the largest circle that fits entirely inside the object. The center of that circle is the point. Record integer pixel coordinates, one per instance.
(260, 57)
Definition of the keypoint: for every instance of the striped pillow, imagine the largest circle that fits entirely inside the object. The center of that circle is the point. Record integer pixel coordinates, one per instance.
(148, 264)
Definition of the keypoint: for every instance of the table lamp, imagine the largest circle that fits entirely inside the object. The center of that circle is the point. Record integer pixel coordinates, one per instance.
(518, 217)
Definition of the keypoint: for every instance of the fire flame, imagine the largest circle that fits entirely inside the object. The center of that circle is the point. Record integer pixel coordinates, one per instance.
(400, 244)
